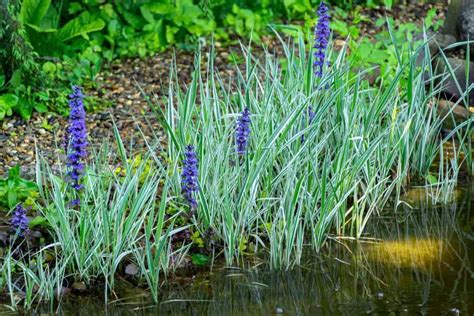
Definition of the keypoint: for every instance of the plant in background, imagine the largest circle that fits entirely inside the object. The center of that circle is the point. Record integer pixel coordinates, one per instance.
(47, 32)
(19, 221)
(77, 139)
(242, 132)
(189, 177)
(321, 39)
(362, 145)
(34, 31)
(15, 189)
(18, 65)
(245, 22)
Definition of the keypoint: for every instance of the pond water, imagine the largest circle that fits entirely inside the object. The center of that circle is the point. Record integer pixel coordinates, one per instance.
(415, 261)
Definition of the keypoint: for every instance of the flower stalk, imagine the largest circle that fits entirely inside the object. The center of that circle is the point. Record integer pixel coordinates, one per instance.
(76, 139)
(189, 176)
(321, 39)
(242, 132)
(19, 221)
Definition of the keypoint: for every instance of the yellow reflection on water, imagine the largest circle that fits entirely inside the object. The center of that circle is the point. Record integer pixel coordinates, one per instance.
(426, 196)
(414, 253)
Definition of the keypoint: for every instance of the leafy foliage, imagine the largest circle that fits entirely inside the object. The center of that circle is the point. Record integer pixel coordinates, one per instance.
(15, 189)
(35, 32)
(53, 44)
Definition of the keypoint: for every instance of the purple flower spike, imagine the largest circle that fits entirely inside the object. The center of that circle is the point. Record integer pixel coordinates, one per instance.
(321, 39)
(242, 132)
(19, 221)
(189, 176)
(77, 138)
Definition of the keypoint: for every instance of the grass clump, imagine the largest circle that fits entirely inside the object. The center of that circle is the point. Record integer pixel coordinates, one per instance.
(268, 163)
(322, 155)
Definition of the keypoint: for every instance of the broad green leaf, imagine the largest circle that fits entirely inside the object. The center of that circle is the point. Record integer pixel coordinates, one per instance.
(38, 221)
(24, 109)
(7, 101)
(170, 32)
(340, 27)
(14, 173)
(15, 80)
(160, 8)
(11, 198)
(199, 259)
(147, 15)
(40, 29)
(135, 21)
(49, 67)
(79, 26)
(41, 107)
(33, 11)
(431, 179)
(292, 29)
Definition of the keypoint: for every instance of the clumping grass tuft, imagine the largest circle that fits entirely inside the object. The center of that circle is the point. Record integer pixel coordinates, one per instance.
(298, 165)
(362, 146)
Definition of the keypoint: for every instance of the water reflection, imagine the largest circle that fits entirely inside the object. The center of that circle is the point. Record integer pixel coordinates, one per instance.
(415, 261)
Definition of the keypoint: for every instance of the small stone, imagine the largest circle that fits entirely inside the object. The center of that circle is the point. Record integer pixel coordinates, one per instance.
(279, 310)
(449, 84)
(465, 23)
(131, 269)
(448, 111)
(339, 45)
(79, 286)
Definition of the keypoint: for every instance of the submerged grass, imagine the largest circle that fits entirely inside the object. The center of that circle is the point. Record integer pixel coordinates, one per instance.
(322, 155)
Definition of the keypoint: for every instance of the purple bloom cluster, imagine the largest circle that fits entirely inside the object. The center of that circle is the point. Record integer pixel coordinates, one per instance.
(311, 115)
(77, 138)
(189, 176)
(19, 221)
(321, 39)
(242, 132)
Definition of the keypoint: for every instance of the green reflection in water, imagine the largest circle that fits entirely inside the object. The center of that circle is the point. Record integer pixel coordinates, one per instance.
(415, 261)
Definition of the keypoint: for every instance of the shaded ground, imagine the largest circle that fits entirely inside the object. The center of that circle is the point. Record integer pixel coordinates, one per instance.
(119, 86)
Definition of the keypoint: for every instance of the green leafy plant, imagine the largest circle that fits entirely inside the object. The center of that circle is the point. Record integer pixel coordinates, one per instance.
(15, 189)
(42, 22)
(199, 259)
(139, 29)
(245, 22)
(35, 29)
(8, 101)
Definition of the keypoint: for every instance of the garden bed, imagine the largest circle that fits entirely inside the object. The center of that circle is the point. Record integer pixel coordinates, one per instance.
(204, 160)
(118, 89)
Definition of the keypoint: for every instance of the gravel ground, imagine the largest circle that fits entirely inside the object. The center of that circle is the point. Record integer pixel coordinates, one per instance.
(129, 110)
